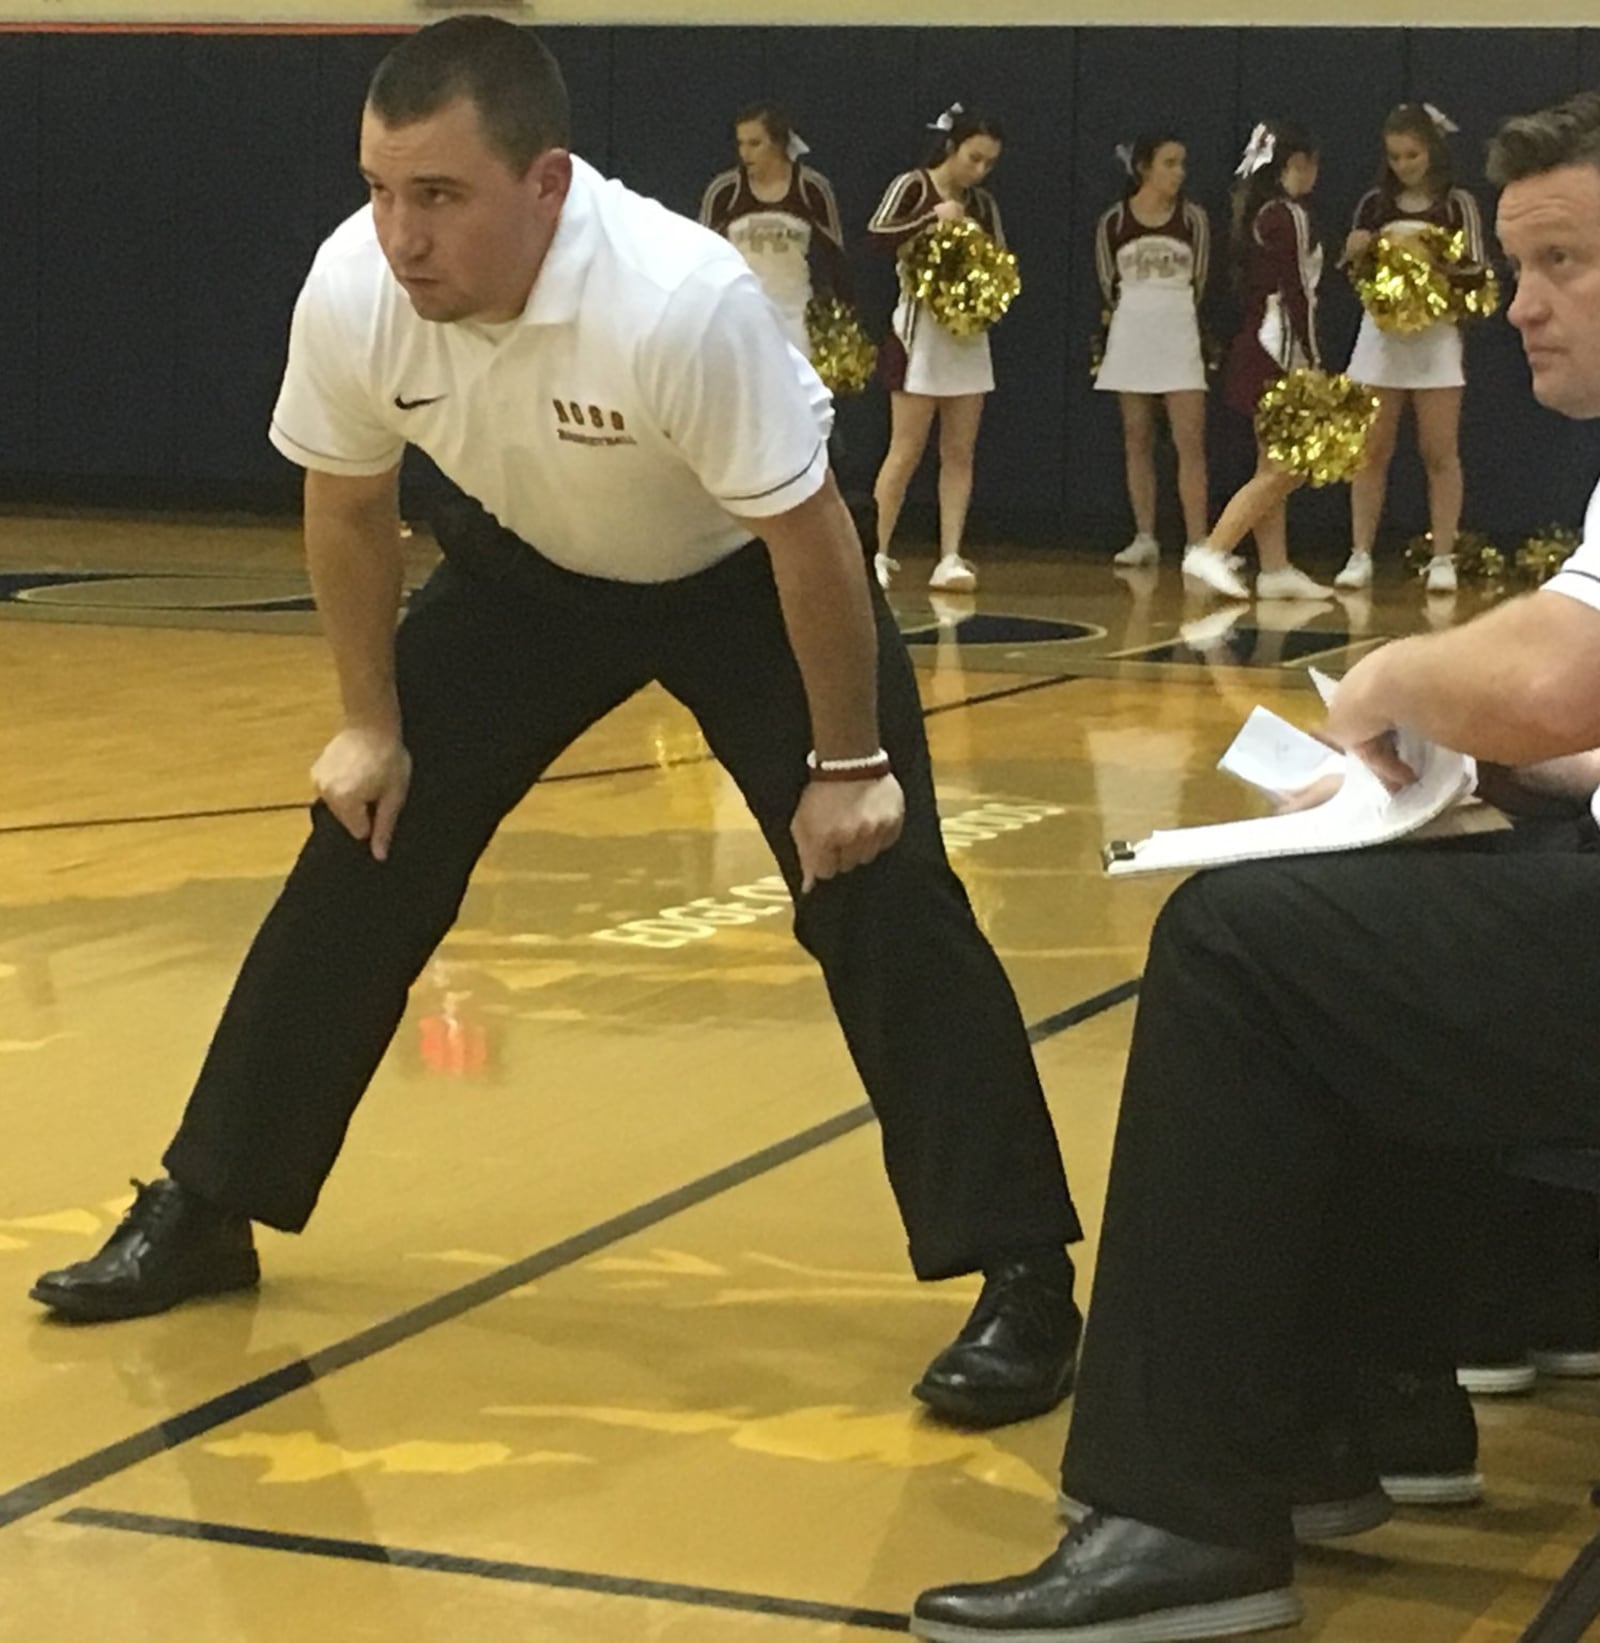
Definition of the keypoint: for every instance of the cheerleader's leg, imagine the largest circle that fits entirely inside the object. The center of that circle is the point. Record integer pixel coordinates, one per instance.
(959, 418)
(1139, 455)
(1439, 442)
(1186, 415)
(1371, 483)
(910, 420)
(1265, 493)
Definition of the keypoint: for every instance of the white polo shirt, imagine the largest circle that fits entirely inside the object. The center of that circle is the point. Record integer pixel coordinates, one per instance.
(1579, 578)
(644, 398)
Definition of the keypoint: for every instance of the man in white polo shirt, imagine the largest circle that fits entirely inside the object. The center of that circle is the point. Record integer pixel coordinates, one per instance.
(645, 496)
(1299, 1016)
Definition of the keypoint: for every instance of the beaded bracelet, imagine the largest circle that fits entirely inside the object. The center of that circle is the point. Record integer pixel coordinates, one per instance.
(872, 768)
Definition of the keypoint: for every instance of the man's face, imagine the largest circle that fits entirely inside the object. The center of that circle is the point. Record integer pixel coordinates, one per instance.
(1549, 226)
(462, 232)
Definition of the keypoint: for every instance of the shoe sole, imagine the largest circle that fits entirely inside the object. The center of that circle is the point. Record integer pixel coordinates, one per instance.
(1339, 1519)
(1295, 596)
(1328, 1520)
(78, 1307)
(1233, 1617)
(1570, 1366)
(955, 584)
(1445, 1489)
(1497, 1381)
(1195, 579)
(980, 1414)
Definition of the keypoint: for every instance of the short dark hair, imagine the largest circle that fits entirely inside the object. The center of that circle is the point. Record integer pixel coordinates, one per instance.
(506, 73)
(1528, 144)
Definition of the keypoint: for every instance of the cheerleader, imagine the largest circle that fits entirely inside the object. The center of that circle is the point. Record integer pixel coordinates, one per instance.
(931, 372)
(1415, 191)
(1153, 253)
(782, 216)
(1278, 266)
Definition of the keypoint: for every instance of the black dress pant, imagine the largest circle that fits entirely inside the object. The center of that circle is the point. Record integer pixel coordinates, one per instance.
(503, 660)
(1296, 1017)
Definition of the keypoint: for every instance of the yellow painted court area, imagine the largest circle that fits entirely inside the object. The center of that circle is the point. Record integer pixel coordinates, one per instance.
(604, 1329)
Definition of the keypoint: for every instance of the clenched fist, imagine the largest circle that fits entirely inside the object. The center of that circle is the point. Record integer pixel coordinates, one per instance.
(363, 777)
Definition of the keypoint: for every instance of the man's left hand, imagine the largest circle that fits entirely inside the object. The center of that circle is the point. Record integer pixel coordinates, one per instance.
(838, 826)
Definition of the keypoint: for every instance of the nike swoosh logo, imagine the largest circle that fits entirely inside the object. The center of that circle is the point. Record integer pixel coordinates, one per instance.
(401, 404)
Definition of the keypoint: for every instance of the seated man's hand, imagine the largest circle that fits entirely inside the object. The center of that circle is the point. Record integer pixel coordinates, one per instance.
(1358, 723)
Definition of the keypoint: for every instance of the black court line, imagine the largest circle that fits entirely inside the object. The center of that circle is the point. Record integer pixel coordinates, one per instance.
(50, 1489)
(521, 1574)
(1074, 1013)
(227, 811)
(284, 808)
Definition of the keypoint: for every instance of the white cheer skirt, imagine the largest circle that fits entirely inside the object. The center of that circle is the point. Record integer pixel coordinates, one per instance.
(1422, 359)
(939, 364)
(1153, 345)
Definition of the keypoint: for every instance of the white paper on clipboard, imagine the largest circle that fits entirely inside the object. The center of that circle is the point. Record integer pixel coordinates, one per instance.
(1360, 814)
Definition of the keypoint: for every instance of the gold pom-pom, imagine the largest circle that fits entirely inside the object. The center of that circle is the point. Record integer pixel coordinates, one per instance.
(1479, 560)
(1408, 282)
(1315, 425)
(1403, 281)
(841, 351)
(966, 280)
(1544, 553)
(1477, 292)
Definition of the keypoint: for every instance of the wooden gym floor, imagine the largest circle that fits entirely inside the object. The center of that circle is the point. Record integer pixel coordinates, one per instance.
(604, 1328)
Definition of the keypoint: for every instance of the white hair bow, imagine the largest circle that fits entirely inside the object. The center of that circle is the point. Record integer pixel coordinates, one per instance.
(1124, 152)
(1441, 120)
(798, 146)
(947, 120)
(1257, 152)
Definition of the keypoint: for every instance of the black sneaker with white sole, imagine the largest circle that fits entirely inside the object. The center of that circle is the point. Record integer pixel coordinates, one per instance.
(1424, 1437)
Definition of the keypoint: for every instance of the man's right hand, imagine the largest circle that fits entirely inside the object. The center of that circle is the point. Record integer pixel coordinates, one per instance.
(363, 777)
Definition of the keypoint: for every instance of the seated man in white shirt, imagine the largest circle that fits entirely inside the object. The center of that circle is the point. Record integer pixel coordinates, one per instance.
(647, 498)
(1294, 1013)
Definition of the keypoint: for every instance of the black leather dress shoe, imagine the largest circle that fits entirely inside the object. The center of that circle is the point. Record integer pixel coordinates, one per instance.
(171, 1246)
(1116, 1580)
(1018, 1353)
